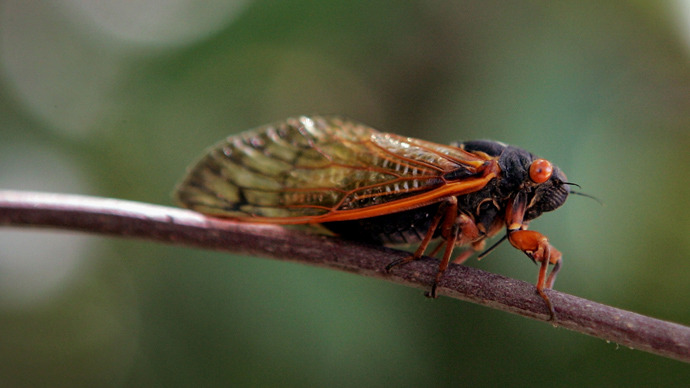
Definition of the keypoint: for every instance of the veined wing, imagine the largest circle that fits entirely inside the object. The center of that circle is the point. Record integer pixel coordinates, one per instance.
(319, 169)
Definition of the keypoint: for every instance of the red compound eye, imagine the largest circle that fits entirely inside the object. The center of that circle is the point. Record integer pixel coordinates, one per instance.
(540, 171)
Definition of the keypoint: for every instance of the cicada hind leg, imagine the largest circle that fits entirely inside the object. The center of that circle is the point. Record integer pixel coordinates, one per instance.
(452, 225)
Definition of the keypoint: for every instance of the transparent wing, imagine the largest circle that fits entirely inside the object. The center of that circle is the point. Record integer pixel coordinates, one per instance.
(308, 169)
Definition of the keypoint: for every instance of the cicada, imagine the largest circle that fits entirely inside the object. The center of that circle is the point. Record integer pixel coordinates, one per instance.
(382, 188)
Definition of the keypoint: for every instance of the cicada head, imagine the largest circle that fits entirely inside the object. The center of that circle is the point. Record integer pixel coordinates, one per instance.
(548, 195)
(544, 184)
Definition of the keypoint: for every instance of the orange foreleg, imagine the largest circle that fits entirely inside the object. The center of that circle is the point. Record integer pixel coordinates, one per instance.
(536, 246)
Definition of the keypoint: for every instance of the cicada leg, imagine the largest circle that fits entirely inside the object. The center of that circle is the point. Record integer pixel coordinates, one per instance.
(536, 246)
(453, 226)
(442, 213)
(466, 230)
(450, 224)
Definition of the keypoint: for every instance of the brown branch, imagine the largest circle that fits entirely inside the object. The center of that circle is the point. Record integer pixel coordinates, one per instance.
(182, 227)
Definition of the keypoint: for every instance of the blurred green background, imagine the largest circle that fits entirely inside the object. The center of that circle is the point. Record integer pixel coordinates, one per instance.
(117, 98)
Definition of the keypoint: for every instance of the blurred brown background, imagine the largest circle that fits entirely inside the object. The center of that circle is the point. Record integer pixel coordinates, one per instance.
(117, 98)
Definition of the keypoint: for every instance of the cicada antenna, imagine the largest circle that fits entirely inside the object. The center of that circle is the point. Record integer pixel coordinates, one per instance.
(583, 194)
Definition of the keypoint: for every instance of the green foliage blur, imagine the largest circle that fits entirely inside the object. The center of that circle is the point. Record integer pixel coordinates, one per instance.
(117, 98)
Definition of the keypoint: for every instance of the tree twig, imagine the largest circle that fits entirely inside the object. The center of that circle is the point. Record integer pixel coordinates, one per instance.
(183, 227)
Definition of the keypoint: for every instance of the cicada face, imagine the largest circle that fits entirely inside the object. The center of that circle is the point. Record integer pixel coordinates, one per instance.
(548, 196)
(519, 175)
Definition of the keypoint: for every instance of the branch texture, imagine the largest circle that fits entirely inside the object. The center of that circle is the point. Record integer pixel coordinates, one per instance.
(183, 227)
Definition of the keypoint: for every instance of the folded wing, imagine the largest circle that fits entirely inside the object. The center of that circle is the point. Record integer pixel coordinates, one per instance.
(318, 169)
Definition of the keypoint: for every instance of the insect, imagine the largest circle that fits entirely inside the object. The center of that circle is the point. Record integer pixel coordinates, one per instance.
(382, 188)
